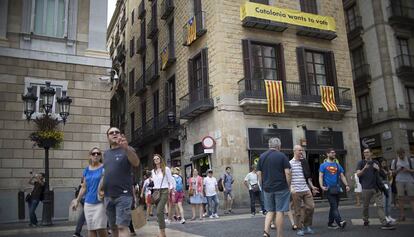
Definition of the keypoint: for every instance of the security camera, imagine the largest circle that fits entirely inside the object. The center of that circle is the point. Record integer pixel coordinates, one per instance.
(105, 78)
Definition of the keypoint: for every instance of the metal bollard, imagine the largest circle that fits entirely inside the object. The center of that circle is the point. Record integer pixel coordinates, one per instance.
(21, 205)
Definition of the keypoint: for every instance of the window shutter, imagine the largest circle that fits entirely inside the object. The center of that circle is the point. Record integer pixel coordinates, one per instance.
(204, 71)
(190, 75)
(331, 71)
(301, 57)
(246, 59)
(280, 57)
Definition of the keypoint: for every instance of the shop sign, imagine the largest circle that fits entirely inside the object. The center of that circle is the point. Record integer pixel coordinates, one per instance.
(289, 16)
(371, 141)
(259, 138)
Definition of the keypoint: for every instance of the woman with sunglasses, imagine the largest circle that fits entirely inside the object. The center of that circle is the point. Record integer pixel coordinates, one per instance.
(164, 183)
(94, 209)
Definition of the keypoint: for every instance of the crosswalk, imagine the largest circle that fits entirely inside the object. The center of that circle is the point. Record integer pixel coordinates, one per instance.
(376, 221)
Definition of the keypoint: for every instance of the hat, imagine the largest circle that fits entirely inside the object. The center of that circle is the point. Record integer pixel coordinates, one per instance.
(209, 171)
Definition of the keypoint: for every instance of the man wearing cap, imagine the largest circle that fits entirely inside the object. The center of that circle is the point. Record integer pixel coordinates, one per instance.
(210, 187)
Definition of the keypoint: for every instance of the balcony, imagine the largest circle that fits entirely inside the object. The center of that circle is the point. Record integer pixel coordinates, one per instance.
(140, 86)
(404, 65)
(261, 24)
(166, 120)
(400, 15)
(196, 102)
(298, 99)
(141, 44)
(354, 27)
(362, 75)
(120, 53)
(141, 10)
(167, 56)
(193, 32)
(151, 74)
(152, 28)
(364, 118)
(316, 33)
(167, 7)
(122, 23)
(117, 38)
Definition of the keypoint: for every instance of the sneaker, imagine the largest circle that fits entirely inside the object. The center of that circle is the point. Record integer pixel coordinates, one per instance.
(231, 212)
(264, 213)
(215, 215)
(366, 223)
(226, 212)
(333, 226)
(182, 221)
(76, 235)
(308, 230)
(272, 226)
(211, 217)
(167, 221)
(387, 226)
(342, 224)
(205, 214)
(391, 220)
(252, 214)
(133, 234)
(300, 232)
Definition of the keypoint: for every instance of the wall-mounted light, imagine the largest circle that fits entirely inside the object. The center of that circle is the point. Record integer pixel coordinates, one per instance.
(328, 128)
(303, 126)
(273, 125)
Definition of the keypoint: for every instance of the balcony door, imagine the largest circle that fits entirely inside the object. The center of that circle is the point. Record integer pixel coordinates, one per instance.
(403, 51)
(198, 77)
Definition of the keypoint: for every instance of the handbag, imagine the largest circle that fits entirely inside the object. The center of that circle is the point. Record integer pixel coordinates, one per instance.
(191, 192)
(138, 217)
(28, 197)
(156, 193)
(255, 188)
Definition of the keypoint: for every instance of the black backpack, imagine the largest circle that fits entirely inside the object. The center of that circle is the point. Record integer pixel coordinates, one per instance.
(220, 183)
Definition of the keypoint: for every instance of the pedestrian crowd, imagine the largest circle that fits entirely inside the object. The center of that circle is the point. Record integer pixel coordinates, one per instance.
(281, 186)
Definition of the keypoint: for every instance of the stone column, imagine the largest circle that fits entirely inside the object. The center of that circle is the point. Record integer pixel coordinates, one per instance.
(3, 18)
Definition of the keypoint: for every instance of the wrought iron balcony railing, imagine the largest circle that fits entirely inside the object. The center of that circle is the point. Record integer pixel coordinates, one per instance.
(140, 86)
(152, 73)
(167, 7)
(196, 102)
(141, 10)
(152, 28)
(141, 44)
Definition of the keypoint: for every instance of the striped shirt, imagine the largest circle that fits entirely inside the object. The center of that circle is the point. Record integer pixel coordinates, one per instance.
(298, 179)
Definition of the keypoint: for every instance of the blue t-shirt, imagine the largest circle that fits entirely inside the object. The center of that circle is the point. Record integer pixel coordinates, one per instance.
(178, 183)
(228, 181)
(272, 164)
(92, 178)
(330, 173)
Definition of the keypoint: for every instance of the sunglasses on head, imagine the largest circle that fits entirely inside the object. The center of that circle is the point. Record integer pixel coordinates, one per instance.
(96, 153)
(114, 132)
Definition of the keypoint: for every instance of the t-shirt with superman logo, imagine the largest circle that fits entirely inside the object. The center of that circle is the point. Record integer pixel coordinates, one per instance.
(330, 173)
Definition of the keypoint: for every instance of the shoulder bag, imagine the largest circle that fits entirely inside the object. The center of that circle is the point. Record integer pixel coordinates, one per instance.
(156, 193)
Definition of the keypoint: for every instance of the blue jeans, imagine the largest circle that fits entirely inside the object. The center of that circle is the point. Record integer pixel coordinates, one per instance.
(387, 202)
(32, 211)
(253, 197)
(333, 210)
(212, 204)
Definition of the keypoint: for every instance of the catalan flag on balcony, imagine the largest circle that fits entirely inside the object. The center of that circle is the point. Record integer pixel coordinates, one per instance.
(191, 30)
(164, 58)
(328, 98)
(274, 94)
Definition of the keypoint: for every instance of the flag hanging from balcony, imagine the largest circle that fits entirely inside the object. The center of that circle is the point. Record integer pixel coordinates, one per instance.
(274, 94)
(164, 58)
(191, 30)
(328, 98)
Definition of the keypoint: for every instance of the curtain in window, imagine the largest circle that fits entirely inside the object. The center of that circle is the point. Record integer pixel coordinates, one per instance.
(50, 17)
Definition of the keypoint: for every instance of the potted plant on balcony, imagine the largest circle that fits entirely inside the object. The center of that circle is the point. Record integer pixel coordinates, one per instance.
(46, 135)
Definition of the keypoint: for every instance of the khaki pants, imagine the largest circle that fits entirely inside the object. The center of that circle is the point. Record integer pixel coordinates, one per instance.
(367, 195)
(303, 217)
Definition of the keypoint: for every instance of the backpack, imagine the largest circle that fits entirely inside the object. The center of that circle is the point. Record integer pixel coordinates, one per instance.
(178, 183)
(220, 183)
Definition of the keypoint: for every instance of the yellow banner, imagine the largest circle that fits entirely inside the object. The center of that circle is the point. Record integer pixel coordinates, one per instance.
(164, 58)
(289, 16)
(191, 30)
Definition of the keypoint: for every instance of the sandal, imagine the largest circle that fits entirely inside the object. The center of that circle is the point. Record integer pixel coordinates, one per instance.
(265, 234)
(272, 226)
(294, 227)
(192, 219)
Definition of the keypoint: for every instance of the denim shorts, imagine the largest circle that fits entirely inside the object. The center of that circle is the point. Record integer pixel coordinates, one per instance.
(277, 201)
(118, 210)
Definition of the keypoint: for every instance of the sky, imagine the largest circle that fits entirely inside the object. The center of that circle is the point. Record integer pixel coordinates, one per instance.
(111, 9)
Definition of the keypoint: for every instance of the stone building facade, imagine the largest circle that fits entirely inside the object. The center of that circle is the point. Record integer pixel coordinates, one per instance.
(66, 47)
(196, 69)
(381, 42)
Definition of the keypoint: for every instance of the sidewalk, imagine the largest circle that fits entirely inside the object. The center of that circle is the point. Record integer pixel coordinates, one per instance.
(22, 228)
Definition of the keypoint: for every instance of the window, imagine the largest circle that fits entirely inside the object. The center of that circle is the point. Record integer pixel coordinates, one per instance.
(132, 46)
(133, 16)
(364, 108)
(50, 17)
(410, 95)
(171, 32)
(315, 68)
(358, 63)
(403, 52)
(351, 20)
(155, 53)
(198, 76)
(143, 113)
(131, 82)
(264, 62)
(37, 84)
(170, 95)
(143, 67)
(132, 122)
(156, 103)
(309, 6)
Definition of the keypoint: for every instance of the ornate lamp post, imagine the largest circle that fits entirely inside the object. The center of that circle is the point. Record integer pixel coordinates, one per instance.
(43, 138)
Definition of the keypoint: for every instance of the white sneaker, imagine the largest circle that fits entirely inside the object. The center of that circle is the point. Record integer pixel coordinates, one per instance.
(205, 214)
(390, 219)
(182, 221)
(167, 221)
(211, 217)
(216, 216)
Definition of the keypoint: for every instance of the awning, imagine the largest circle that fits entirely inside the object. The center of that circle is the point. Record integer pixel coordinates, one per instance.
(199, 156)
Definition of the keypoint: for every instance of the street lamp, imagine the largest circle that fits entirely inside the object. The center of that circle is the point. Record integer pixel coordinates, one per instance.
(47, 94)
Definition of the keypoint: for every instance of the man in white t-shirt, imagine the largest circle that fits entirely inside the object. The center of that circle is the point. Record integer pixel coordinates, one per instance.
(210, 188)
(252, 183)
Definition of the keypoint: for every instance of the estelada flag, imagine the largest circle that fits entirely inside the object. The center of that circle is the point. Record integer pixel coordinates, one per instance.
(274, 94)
(328, 98)
(191, 30)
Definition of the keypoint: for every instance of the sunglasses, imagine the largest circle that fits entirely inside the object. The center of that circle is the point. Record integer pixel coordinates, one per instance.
(96, 153)
(114, 132)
